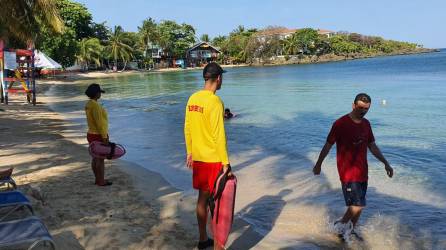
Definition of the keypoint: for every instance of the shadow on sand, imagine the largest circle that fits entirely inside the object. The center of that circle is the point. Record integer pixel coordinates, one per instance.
(415, 224)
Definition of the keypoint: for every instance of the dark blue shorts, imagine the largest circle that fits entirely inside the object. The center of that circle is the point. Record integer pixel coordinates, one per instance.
(354, 193)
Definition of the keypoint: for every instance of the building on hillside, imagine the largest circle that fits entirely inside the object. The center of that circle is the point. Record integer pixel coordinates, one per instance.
(201, 53)
(283, 33)
(327, 33)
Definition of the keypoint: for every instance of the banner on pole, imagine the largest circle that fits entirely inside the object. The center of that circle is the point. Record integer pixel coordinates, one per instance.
(10, 60)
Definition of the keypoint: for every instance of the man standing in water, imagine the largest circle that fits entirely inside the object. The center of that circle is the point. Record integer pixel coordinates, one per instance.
(352, 134)
(205, 137)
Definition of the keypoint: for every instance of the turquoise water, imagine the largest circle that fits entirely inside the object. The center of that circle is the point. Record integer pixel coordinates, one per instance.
(287, 111)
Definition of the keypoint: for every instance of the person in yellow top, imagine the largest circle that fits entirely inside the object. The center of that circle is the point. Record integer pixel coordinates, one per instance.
(205, 138)
(97, 120)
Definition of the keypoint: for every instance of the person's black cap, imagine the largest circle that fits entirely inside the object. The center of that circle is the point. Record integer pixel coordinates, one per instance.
(212, 70)
(93, 89)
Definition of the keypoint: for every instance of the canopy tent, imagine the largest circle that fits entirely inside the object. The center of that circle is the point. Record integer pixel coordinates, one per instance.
(45, 62)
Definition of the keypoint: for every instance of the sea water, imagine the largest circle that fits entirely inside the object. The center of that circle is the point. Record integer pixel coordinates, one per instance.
(284, 114)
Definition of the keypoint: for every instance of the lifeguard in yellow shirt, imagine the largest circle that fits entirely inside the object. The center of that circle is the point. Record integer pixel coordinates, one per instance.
(97, 120)
(204, 132)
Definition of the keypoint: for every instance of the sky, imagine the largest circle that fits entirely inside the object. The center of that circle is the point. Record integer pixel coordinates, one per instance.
(404, 20)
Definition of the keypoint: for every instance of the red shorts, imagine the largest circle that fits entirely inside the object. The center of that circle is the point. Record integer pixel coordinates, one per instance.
(93, 137)
(205, 174)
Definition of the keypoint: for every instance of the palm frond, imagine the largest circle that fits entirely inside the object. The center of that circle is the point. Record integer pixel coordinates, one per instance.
(24, 19)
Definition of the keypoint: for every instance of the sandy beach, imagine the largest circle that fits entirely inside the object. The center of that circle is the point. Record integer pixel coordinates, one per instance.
(141, 210)
(54, 171)
(89, 75)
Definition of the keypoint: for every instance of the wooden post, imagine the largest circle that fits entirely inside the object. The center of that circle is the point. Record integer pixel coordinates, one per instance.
(2, 45)
(33, 77)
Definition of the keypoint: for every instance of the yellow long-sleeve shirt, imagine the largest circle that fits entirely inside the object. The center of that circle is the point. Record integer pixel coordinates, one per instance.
(97, 118)
(204, 129)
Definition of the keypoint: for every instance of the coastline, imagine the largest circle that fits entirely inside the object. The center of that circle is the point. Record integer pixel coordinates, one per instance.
(277, 61)
(327, 58)
(70, 76)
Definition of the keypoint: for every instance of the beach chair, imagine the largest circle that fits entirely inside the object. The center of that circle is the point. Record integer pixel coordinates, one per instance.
(28, 233)
(7, 183)
(19, 228)
(13, 202)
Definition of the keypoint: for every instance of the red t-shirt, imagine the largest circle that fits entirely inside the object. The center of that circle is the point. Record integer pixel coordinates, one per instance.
(352, 140)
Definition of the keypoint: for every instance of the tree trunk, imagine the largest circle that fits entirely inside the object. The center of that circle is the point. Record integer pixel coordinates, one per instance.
(125, 64)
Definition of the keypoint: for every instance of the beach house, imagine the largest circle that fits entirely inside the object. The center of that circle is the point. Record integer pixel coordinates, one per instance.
(201, 53)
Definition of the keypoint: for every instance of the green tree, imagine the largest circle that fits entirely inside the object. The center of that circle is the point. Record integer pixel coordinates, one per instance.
(204, 38)
(63, 47)
(118, 47)
(323, 46)
(264, 44)
(185, 41)
(355, 37)
(168, 32)
(90, 51)
(175, 39)
(219, 41)
(341, 46)
(77, 17)
(101, 31)
(252, 49)
(133, 39)
(368, 41)
(149, 34)
(239, 30)
(23, 20)
(235, 46)
(291, 45)
(307, 39)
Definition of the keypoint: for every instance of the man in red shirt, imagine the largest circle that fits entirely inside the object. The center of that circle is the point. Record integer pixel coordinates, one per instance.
(352, 134)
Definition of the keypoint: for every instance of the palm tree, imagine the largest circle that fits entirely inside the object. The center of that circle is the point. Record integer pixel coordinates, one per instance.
(204, 38)
(90, 50)
(24, 19)
(149, 34)
(291, 45)
(239, 30)
(118, 47)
